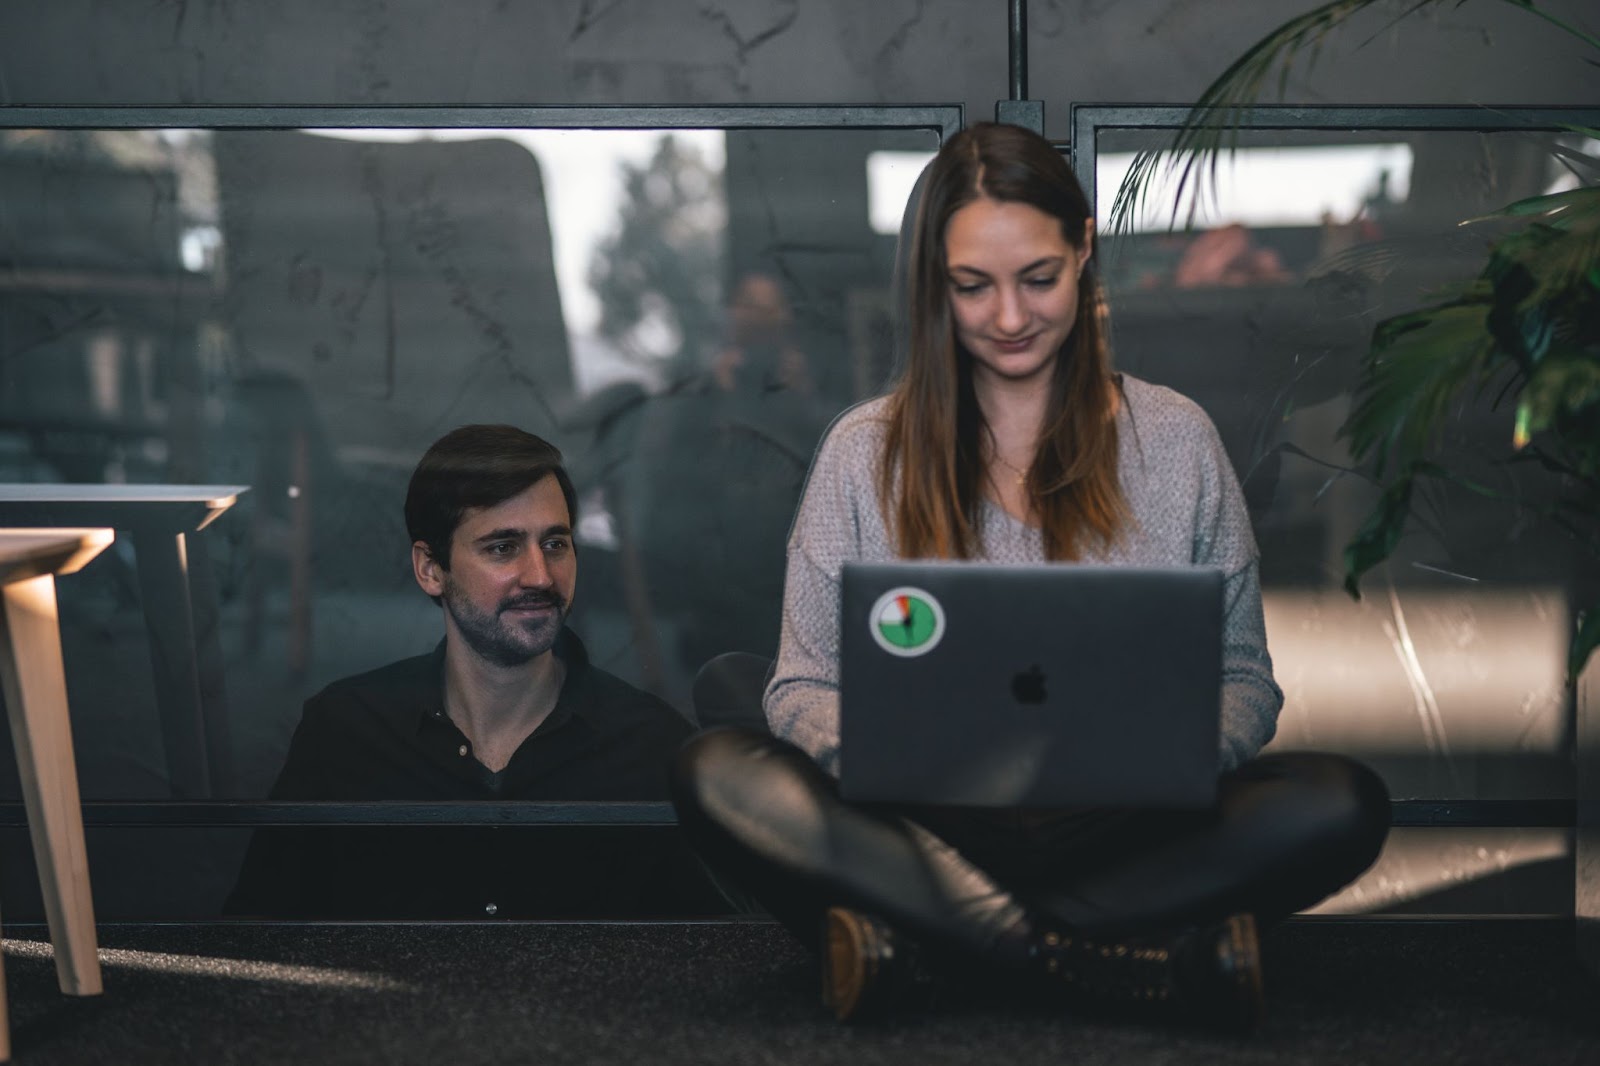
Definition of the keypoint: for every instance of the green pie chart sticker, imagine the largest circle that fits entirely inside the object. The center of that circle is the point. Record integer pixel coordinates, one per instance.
(907, 622)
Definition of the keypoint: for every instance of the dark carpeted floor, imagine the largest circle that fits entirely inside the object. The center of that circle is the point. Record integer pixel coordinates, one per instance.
(1376, 992)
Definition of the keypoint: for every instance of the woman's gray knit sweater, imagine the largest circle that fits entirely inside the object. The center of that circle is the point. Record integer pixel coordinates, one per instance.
(1186, 509)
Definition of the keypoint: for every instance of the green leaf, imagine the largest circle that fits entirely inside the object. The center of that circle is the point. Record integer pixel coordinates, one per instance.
(1559, 386)
(1584, 199)
(1418, 365)
(1379, 535)
(1520, 331)
(1542, 275)
(1561, 262)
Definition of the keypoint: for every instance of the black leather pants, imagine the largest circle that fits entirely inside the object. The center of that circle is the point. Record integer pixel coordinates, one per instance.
(1286, 831)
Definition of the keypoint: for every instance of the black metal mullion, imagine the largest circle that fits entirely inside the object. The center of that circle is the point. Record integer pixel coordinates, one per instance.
(945, 119)
(102, 814)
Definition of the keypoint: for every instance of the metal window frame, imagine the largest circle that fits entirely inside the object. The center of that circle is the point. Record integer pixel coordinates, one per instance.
(943, 119)
(179, 814)
(1089, 120)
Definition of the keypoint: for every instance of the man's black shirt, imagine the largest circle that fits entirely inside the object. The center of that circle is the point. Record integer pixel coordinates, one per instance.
(384, 735)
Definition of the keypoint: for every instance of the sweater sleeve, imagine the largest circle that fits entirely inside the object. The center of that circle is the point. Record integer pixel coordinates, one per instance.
(1251, 698)
(838, 511)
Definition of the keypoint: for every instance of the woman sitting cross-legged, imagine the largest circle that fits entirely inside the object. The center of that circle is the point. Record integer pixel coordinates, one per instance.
(1008, 438)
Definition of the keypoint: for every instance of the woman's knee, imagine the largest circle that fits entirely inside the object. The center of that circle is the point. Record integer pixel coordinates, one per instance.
(728, 770)
(704, 760)
(1335, 801)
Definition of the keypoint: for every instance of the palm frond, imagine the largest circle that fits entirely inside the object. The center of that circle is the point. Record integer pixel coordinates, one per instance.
(1417, 366)
(1538, 12)
(1379, 535)
(1581, 165)
(1212, 124)
(1549, 266)
(1214, 119)
(1527, 323)
(1566, 383)
(1569, 267)
(1581, 202)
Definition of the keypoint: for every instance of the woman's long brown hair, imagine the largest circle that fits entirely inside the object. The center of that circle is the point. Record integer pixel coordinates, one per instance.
(931, 477)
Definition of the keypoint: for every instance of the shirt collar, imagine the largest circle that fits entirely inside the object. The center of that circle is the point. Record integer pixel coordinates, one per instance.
(575, 698)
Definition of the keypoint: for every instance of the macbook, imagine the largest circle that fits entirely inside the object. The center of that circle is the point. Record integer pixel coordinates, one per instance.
(989, 685)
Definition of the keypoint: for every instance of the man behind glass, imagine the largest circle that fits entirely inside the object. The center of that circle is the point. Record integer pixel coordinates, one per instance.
(506, 708)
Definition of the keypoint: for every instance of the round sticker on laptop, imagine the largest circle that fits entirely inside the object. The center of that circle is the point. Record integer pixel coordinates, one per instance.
(907, 621)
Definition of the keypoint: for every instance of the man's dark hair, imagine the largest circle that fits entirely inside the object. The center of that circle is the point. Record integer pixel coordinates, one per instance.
(476, 466)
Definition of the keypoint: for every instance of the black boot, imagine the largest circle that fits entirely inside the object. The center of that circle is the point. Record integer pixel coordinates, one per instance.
(1210, 975)
(867, 968)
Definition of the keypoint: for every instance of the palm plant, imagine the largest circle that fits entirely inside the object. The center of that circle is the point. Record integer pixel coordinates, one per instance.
(1526, 329)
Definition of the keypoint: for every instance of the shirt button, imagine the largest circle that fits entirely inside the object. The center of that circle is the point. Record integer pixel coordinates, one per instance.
(491, 910)
(462, 750)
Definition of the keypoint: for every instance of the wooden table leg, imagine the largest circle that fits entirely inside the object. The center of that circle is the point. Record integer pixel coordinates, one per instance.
(35, 689)
(163, 563)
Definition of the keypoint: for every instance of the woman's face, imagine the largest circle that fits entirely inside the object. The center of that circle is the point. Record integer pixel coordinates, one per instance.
(1013, 282)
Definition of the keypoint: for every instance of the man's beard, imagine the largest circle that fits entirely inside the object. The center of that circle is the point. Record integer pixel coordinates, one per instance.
(504, 643)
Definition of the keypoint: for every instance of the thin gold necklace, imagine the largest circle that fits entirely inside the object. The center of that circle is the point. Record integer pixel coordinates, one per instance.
(1022, 475)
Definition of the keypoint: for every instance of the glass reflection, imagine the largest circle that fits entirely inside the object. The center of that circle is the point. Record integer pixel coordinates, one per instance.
(303, 312)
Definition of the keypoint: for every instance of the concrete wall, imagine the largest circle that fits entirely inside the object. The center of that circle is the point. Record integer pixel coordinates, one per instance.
(757, 51)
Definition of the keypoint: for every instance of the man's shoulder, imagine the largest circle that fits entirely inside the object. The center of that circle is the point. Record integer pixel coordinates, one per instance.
(351, 732)
(392, 688)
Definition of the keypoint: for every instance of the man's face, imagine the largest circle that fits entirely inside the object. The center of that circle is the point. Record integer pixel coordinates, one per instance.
(511, 577)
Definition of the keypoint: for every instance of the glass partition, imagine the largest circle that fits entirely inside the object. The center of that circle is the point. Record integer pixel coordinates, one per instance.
(1256, 294)
(300, 301)
(1259, 302)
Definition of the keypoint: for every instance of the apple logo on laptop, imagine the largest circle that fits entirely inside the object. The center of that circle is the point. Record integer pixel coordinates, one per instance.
(1028, 686)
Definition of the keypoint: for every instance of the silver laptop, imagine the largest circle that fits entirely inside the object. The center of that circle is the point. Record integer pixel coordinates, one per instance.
(986, 685)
